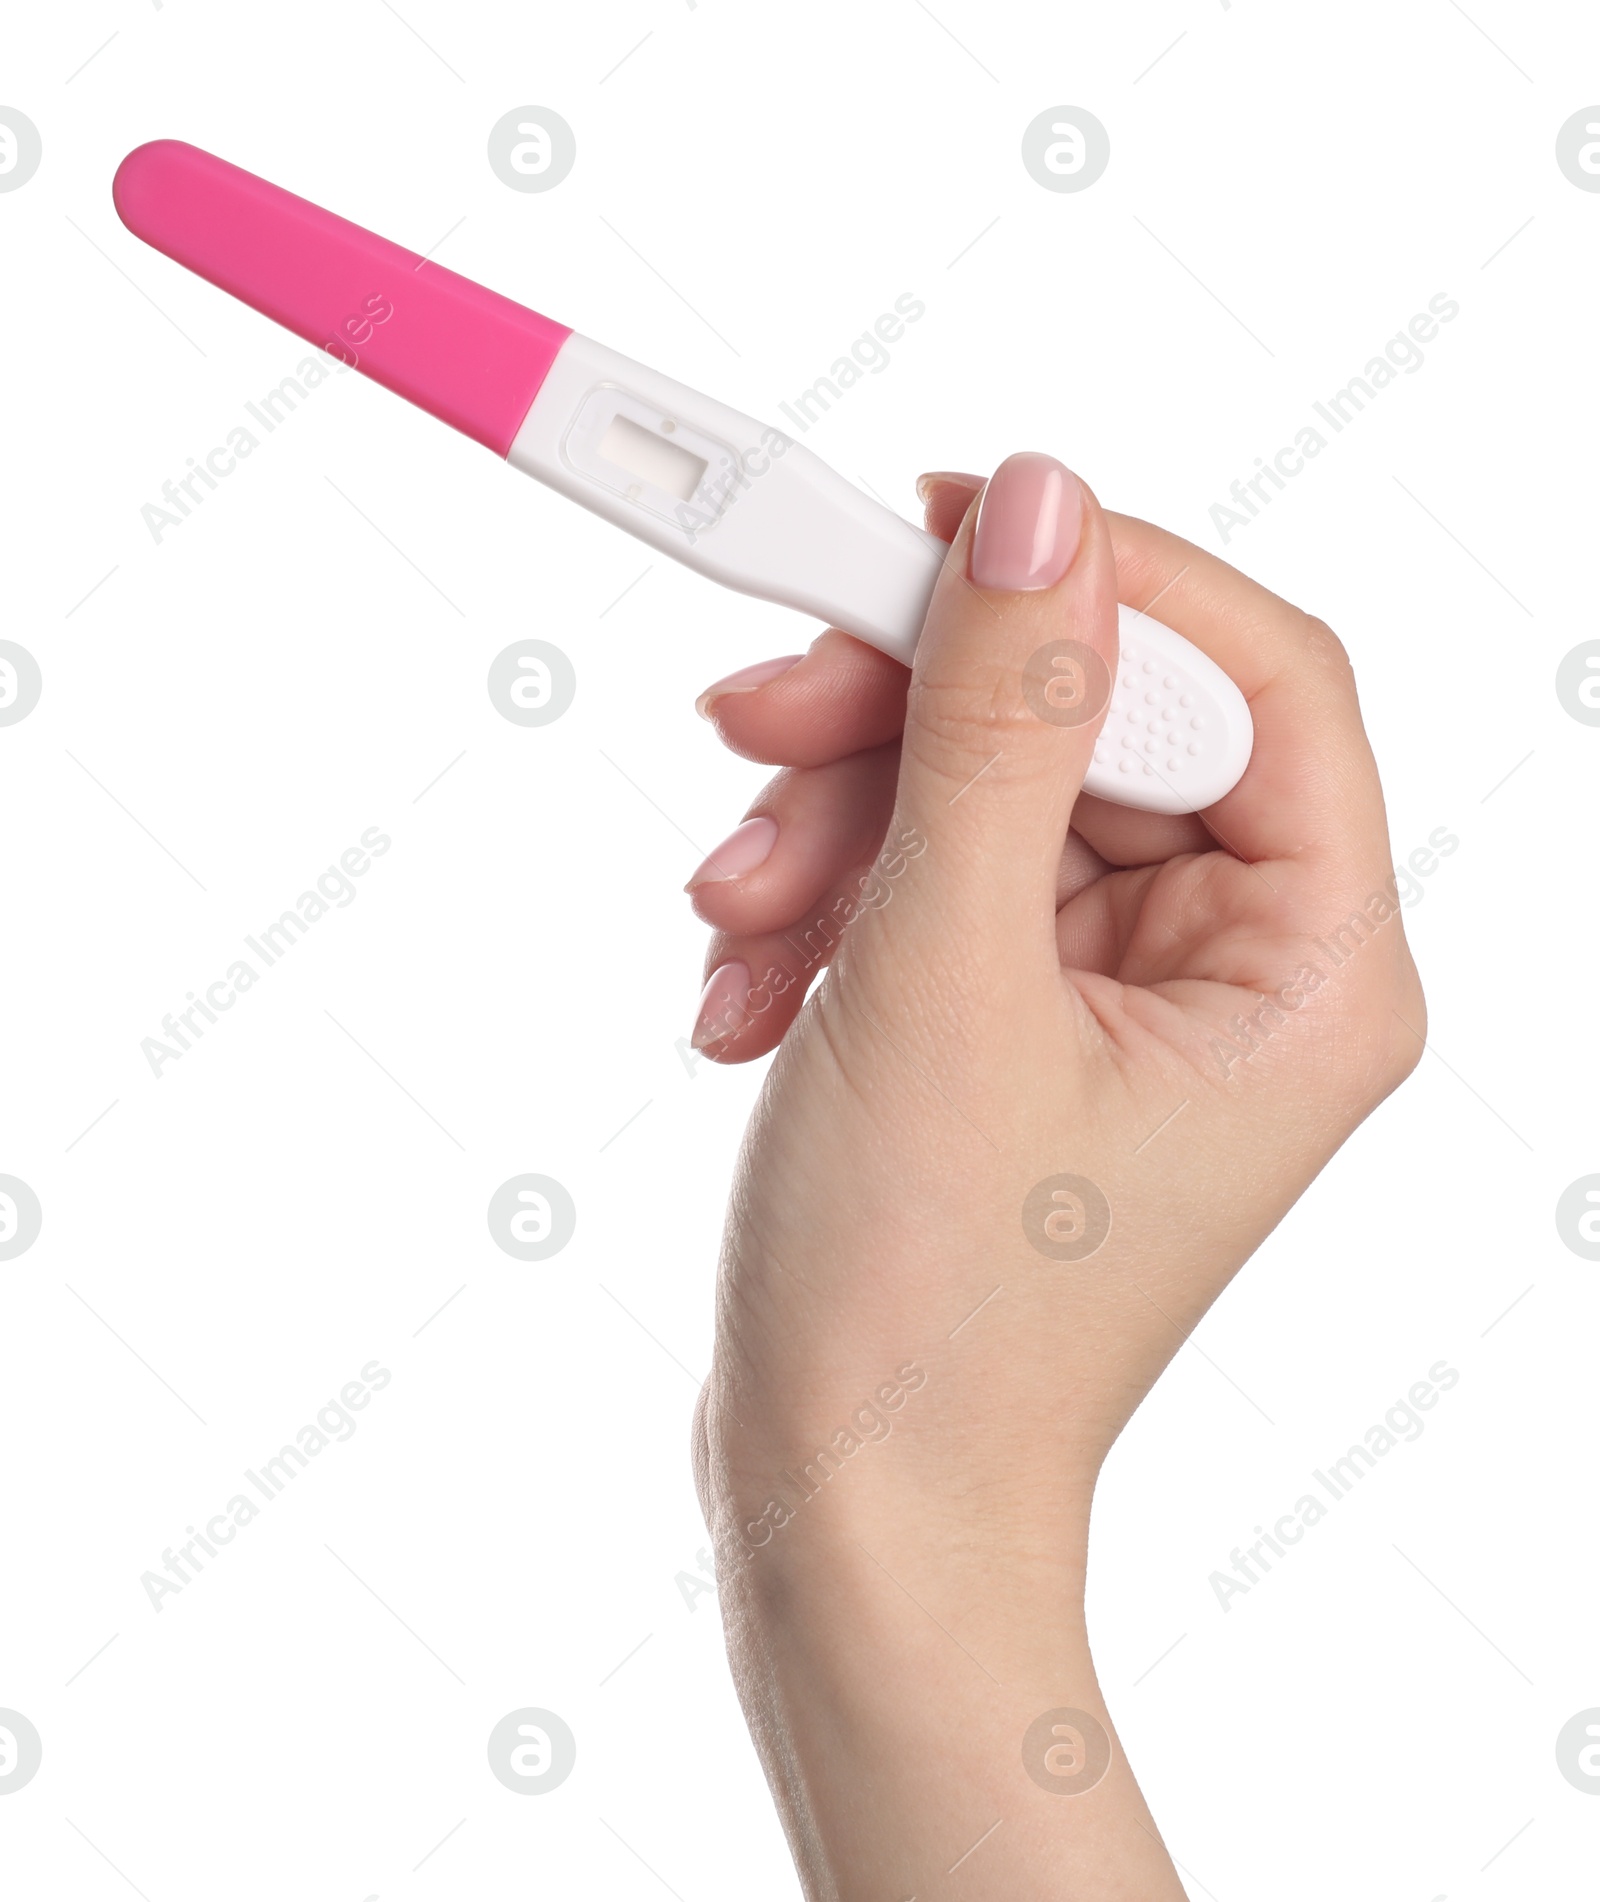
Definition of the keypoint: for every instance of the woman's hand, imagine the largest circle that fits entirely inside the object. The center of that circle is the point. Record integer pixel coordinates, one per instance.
(1070, 1064)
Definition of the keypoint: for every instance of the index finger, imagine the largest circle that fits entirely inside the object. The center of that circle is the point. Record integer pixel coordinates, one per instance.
(1311, 791)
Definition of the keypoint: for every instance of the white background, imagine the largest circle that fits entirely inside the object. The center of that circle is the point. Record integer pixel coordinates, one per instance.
(229, 1244)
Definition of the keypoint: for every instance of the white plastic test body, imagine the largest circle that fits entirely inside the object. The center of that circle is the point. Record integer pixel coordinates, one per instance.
(753, 509)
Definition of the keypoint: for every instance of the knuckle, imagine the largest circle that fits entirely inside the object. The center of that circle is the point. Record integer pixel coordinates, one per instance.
(1407, 1033)
(1390, 1035)
(954, 722)
(1326, 647)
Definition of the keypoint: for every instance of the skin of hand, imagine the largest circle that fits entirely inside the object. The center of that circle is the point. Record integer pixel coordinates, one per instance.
(1068, 1066)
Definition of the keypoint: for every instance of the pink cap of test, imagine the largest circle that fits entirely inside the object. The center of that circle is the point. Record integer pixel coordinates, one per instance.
(467, 355)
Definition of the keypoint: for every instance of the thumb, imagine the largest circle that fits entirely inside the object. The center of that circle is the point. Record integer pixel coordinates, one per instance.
(1012, 677)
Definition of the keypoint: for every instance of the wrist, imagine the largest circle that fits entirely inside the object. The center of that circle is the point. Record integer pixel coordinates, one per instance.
(956, 1482)
(909, 1712)
(910, 1602)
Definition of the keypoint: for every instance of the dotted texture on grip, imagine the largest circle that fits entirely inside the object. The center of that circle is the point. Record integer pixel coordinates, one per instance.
(1177, 733)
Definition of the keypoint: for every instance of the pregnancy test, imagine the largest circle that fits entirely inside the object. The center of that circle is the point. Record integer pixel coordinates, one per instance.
(715, 489)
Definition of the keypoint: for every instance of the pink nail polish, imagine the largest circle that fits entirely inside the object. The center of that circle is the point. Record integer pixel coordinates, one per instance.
(722, 1005)
(1029, 523)
(746, 680)
(745, 848)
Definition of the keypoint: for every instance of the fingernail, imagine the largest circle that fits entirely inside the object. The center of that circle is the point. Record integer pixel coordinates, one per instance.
(1029, 522)
(746, 680)
(722, 1002)
(925, 482)
(746, 847)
